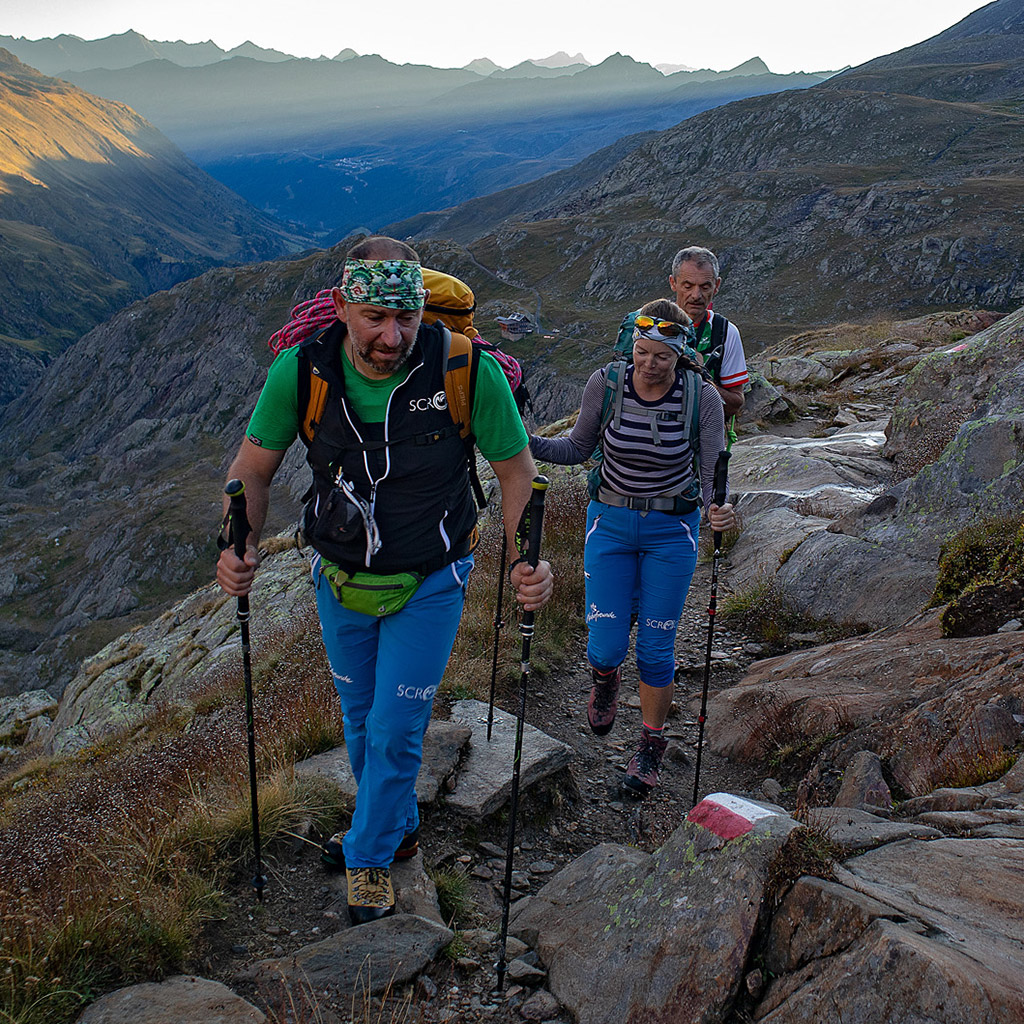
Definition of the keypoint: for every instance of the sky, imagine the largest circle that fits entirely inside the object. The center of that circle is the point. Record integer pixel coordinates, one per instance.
(789, 35)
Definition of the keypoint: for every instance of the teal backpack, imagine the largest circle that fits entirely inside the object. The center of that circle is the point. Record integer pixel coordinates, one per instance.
(711, 344)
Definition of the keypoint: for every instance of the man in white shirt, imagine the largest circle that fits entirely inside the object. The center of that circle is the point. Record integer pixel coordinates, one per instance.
(694, 279)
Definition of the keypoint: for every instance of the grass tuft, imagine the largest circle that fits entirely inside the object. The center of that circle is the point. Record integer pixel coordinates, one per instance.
(557, 625)
(765, 611)
(454, 894)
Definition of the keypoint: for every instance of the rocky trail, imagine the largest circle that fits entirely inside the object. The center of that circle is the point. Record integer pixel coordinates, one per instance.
(561, 817)
(857, 852)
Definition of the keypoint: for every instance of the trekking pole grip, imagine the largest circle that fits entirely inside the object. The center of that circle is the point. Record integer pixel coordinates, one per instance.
(240, 528)
(721, 487)
(539, 486)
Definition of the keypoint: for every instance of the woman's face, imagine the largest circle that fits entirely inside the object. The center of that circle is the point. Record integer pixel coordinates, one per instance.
(654, 363)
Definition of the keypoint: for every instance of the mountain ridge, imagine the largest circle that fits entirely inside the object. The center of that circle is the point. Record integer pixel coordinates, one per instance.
(65, 52)
(98, 208)
(278, 136)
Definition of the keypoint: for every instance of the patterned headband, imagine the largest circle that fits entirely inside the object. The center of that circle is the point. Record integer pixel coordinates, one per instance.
(674, 342)
(396, 284)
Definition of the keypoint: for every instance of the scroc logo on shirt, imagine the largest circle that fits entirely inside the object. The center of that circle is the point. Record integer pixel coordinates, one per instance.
(439, 402)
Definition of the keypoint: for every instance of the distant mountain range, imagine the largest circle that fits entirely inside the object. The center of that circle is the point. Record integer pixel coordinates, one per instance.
(334, 145)
(72, 53)
(57, 54)
(357, 141)
(97, 208)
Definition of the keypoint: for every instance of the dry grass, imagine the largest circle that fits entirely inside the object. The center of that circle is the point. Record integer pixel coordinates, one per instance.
(987, 764)
(288, 1003)
(97, 668)
(974, 757)
(469, 669)
(112, 860)
(765, 611)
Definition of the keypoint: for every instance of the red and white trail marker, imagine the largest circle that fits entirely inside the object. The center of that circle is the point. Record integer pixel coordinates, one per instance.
(728, 816)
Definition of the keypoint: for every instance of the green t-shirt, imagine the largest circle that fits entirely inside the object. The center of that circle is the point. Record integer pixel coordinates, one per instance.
(499, 431)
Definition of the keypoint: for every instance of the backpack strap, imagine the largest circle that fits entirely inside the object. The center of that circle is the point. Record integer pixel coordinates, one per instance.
(719, 325)
(312, 397)
(614, 387)
(462, 360)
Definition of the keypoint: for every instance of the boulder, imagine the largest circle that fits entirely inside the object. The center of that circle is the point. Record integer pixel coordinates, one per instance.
(932, 708)
(443, 744)
(908, 932)
(957, 440)
(796, 370)
(371, 958)
(630, 937)
(835, 473)
(763, 402)
(182, 998)
(160, 661)
(19, 713)
(952, 386)
(789, 490)
(852, 829)
(863, 785)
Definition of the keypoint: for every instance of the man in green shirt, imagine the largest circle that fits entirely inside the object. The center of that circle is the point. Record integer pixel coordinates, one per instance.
(392, 520)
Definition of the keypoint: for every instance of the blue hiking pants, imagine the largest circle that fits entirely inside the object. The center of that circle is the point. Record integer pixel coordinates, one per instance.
(386, 671)
(642, 560)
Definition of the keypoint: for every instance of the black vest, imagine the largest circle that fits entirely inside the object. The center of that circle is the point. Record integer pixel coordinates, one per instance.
(410, 468)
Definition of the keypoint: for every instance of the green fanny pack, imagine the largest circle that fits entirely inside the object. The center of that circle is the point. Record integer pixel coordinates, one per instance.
(370, 593)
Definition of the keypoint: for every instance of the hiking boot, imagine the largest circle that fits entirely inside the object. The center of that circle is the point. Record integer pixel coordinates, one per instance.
(331, 854)
(642, 771)
(409, 846)
(370, 896)
(333, 857)
(604, 700)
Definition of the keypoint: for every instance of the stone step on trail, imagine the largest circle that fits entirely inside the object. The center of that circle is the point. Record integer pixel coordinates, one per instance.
(442, 746)
(484, 781)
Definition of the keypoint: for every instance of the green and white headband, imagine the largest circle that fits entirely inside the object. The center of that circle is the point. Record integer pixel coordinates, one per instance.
(396, 284)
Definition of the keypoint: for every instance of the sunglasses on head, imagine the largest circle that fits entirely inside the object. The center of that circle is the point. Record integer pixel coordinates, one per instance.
(665, 327)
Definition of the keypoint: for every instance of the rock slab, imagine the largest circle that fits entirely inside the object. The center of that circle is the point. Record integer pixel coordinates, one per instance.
(908, 932)
(442, 746)
(485, 779)
(370, 958)
(179, 999)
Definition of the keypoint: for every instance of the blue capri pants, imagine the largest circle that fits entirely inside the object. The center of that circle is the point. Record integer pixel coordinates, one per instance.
(386, 671)
(647, 555)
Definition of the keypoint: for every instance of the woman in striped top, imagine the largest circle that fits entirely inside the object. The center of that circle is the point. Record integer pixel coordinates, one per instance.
(656, 470)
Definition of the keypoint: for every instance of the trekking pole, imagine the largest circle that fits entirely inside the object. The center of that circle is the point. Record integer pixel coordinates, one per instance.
(498, 626)
(720, 487)
(238, 533)
(540, 485)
